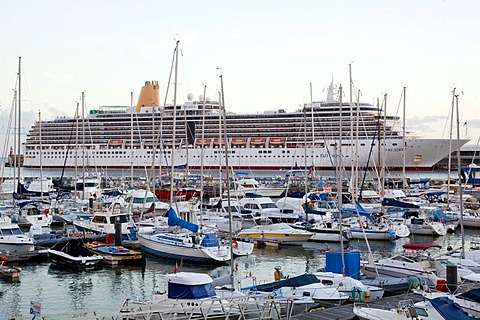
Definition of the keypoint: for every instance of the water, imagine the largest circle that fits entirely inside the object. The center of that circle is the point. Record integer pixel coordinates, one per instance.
(66, 291)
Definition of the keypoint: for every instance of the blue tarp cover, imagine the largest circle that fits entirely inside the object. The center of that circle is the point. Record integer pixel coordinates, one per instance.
(182, 291)
(449, 309)
(400, 204)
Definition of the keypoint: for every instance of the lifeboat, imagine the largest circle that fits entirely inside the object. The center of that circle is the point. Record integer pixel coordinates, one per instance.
(237, 142)
(202, 141)
(115, 142)
(257, 141)
(276, 141)
(218, 141)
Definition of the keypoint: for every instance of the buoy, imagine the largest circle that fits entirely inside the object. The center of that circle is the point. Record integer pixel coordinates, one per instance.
(235, 244)
(109, 238)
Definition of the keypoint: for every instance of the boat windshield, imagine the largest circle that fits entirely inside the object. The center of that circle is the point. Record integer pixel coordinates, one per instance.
(10, 232)
(268, 205)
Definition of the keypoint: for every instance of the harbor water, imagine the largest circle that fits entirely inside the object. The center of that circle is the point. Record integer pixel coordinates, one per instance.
(62, 291)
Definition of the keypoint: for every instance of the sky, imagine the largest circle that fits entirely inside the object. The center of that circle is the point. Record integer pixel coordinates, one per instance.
(268, 53)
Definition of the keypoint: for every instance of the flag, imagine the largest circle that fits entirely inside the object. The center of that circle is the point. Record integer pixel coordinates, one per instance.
(310, 171)
(175, 270)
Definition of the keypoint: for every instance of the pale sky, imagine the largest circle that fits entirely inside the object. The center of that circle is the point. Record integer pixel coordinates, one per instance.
(268, 51)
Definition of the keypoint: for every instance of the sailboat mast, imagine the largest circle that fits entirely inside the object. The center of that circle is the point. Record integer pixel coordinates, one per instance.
(313, 131)
(131, 139)
(19, 112)
(339, 181)
(404, 176)
(460, 189)
(224, 118)
(172, 159)
(41, 153)
(450, 149)
(83, 145)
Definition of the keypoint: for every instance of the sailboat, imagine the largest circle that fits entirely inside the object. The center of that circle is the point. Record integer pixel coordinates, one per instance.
(183, 240)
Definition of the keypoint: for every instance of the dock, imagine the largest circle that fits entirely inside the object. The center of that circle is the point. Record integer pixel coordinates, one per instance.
(345, 312)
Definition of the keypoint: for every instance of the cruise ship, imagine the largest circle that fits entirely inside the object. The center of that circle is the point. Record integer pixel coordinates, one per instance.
(141, 137)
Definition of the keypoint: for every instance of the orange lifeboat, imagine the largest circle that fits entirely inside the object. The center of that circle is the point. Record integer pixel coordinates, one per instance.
(218, 141)
(202, 141)
(115, 142)
(240, 141)
(276, 141)
(257, 141)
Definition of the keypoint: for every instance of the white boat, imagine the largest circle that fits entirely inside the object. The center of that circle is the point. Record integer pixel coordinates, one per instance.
(414, 262)
(243, 185)
(257, 141)
(469, 301)
(280, 233)
(356, 290)
(361, 229)
(188, 295)
(324, 231)
(12, 239)
(267, 209)
(142, 200)
(183, 241)
(304, 291)
(435, 309)
(33, 212)
(104, 220)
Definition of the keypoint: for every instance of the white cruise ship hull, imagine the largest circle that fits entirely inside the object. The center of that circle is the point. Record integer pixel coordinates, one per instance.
(421, 154)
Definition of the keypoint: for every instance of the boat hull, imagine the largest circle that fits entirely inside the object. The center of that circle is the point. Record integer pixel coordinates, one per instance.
(176, 250)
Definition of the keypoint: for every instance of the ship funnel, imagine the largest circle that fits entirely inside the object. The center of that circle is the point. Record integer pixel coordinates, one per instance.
(149, 95)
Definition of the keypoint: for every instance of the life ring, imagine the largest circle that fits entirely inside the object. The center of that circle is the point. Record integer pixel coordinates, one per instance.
(235, 244)
(109, 238)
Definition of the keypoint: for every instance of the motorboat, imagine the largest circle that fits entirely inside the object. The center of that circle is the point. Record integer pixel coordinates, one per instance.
(143, 200)
(33, 212)
(243, 184)
(104, 220)
(355, 289)
(280, 233)
(469, 301)
(75, 255)
(436, 309)
(304, 291)
(12, 239)
(267, 209)
(413, 262)
(183, 241)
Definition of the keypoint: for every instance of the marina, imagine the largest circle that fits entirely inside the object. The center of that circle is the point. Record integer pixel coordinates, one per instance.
(106, 288)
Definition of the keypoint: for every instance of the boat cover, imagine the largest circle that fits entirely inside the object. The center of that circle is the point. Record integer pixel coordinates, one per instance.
(297, 281)
(174, 220)
(399, 204)
(473, 295)
(449, 309)
(420, 246)
(187, 291)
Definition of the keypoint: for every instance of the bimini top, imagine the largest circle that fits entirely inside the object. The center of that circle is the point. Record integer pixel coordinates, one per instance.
(420, 246)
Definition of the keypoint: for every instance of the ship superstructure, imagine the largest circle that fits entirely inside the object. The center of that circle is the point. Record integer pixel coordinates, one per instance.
(123, 137)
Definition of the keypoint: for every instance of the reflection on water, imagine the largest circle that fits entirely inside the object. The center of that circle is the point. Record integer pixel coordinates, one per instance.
(62, 290)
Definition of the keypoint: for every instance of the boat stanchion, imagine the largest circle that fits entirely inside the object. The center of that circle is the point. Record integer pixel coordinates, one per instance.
(118, 232)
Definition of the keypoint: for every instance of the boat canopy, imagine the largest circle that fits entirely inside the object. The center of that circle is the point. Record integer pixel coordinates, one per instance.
(473, 295)
(188, 291)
